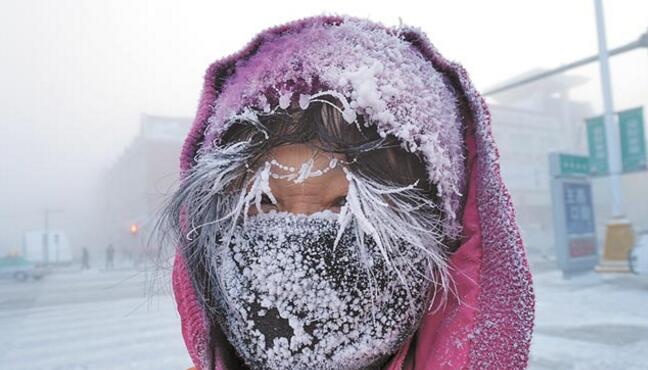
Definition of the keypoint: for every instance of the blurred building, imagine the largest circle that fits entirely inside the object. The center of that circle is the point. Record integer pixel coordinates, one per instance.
(533, 120)
(135, 185)
(529, 122)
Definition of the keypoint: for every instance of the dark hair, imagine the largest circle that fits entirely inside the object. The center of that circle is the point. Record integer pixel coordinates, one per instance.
(382, 159)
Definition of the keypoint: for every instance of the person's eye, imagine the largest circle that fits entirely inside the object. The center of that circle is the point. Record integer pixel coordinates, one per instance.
(265, 199)
(340, 201)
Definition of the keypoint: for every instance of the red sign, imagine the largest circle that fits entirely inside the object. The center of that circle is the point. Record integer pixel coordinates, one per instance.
(582, 247)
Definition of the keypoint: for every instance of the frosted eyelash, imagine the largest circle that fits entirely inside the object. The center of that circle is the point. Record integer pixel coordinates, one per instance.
(388, 214)
(398, 213)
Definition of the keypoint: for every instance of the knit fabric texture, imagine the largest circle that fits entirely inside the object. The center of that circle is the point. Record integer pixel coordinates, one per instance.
(396, 78)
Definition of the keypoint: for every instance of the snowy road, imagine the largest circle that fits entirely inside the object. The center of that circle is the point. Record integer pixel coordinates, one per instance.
(591, 322)
(89, 320)
(103, 320)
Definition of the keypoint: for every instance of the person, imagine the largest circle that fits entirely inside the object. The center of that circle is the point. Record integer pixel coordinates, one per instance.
(110, 257)
(85, 259)
(341, 207)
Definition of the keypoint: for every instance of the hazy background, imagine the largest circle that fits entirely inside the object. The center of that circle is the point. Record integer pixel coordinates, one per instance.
(77, 75)
(97, 96)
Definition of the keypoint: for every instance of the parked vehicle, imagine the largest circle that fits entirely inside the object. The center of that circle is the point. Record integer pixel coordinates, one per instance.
(19, 268)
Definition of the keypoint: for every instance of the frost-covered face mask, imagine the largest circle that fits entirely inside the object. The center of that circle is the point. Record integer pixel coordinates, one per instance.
(320, 291)
(292, 298)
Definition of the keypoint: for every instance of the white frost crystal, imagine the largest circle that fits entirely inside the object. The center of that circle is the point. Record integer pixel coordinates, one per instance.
(294, 302)
(369, 72)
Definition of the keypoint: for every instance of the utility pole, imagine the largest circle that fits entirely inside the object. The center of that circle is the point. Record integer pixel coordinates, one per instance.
(619, 236)
(641, 42)
(46, 235)
(611, 128)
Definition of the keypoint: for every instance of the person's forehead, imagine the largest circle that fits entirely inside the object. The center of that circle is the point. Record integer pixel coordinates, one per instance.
(294, 156)
(298, 153)
(330, 182)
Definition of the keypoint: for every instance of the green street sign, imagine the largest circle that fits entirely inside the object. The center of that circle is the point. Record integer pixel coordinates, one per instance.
(633, 143)
(597, 145)
(574, 165)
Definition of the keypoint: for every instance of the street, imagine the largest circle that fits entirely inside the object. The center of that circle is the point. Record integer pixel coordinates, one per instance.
(126, 319)
(90, 320)
(590, 322)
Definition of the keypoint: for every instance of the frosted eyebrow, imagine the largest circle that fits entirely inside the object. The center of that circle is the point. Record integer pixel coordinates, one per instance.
(388, 214)
(305, 170)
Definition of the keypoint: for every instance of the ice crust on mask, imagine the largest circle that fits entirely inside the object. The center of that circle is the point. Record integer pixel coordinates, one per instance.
(397, 246)
(370, 71)
(374, 211)
(291, 301)
(369, 215)
(506, 292)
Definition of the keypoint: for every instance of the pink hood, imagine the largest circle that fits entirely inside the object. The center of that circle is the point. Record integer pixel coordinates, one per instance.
(490, 326)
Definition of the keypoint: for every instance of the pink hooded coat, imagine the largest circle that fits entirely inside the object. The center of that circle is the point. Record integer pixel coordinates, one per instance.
(489, 325)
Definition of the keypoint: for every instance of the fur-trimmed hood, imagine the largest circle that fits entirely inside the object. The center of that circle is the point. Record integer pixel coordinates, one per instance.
(396, 78)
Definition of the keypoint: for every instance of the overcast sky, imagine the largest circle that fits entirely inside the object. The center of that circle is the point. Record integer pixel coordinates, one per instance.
(77, 74)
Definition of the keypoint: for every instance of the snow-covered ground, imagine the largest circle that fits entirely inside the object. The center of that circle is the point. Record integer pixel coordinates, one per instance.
(125, 319)
(90, 320)
(590, 322)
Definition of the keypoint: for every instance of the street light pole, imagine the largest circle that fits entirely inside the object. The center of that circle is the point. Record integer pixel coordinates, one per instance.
(46, 238)
(619, 236)
(611, 129)
(46, 256)
(641, 42)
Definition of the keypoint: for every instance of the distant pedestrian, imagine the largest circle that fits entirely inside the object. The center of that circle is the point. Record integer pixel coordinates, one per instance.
(110, 257)
(85, 259)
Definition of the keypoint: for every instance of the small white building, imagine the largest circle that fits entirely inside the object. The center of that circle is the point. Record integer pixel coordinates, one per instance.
(48, 247)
